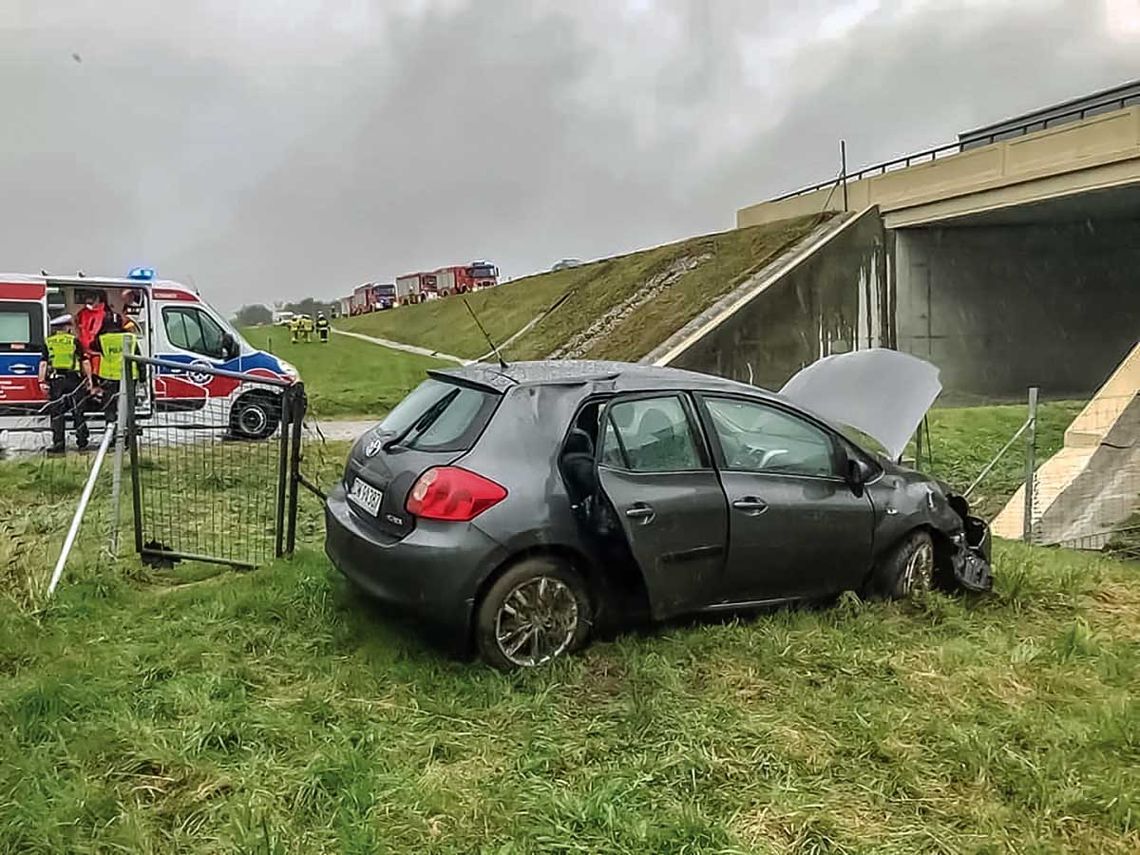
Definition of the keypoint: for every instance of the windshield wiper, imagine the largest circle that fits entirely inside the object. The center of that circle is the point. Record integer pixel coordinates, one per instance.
(423, 422)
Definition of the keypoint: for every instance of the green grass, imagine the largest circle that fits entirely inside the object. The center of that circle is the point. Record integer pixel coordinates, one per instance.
(346, 377)
(275, 711)
(728, 259)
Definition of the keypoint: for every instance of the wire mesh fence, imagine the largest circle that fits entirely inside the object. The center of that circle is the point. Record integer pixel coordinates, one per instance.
(1087, 495)
(211, 477)
(214, 477)
(1050, 471)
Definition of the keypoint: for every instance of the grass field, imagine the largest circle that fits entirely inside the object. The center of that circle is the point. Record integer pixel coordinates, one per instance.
(274, 711)
(726, 259)
(346, 377)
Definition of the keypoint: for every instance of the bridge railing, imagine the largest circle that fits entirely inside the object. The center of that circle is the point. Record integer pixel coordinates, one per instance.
(998, 134)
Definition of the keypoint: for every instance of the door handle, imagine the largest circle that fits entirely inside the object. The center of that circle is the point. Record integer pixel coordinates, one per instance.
(641, 512)
(751, 505)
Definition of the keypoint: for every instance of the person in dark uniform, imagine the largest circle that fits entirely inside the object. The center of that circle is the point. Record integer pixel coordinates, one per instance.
(117, 334)
(323, 327)
(61, 374)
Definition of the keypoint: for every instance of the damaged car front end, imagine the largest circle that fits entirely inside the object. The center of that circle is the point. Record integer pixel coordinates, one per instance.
(885, 395)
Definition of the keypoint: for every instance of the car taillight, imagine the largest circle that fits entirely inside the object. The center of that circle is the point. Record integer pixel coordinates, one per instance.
(452, 494)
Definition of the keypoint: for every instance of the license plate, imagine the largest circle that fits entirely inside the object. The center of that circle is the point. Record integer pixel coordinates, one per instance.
(367, 496)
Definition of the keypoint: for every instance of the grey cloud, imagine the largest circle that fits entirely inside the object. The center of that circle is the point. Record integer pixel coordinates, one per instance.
(271, 158)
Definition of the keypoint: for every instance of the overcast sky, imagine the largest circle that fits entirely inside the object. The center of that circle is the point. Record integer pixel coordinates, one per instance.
(274, 149)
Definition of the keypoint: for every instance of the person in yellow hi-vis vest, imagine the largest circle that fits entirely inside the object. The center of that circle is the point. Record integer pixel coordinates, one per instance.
(113, 341)
(307, 328)
(61, 375)
(294, 329)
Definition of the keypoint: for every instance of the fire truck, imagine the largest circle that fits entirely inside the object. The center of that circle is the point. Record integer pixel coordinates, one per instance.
(416, 288)
(461, 278)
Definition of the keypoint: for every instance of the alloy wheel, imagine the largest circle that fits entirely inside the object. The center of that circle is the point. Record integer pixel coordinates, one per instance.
(919, 571)
(537, 621)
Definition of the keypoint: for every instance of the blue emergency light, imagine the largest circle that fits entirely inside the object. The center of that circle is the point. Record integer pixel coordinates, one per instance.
(144, 274)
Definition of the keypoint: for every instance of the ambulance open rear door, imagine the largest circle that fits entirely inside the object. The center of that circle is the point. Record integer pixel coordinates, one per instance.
(23, 328)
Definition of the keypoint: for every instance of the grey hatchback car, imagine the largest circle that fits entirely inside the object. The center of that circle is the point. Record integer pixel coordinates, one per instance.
(520, 508)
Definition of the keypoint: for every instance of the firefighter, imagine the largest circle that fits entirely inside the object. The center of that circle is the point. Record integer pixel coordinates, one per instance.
(307, 328)
(294, 329)
(322, 328)
(61, 376)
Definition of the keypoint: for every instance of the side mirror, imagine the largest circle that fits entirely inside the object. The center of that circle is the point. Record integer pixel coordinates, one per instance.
(230, 348)
(859, 472)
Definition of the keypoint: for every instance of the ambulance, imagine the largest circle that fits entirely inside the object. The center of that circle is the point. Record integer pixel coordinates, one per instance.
(175, 324)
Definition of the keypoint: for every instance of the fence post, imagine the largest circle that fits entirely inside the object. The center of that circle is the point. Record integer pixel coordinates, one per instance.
(283, 467)
(1030, 466)
(126, 398)
(298, 419)
(131, 433)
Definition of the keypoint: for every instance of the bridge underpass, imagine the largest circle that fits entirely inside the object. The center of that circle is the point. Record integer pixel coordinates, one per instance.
(1044, 294)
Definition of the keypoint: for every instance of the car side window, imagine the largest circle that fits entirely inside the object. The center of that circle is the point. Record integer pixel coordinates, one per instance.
(650, 435)
(192, 329)
(759, 438)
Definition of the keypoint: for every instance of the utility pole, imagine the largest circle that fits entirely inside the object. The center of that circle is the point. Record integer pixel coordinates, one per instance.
(843, 170)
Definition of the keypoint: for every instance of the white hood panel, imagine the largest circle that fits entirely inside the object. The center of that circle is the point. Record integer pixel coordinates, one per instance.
(883, 393)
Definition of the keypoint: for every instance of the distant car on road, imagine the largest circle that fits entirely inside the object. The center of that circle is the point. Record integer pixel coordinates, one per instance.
(520, 507)
(566, 264)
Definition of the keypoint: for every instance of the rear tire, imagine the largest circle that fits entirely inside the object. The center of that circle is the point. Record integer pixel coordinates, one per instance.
(908, 568)
(535, 612)
(255, 415)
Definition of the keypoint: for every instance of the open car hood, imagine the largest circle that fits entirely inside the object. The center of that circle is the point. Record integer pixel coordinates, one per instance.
(883, 393)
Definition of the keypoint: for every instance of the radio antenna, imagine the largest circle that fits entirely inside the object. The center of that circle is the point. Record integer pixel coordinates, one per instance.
(490, 341)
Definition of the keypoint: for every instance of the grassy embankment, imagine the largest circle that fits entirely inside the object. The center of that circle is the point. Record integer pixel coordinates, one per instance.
(274, 711)
(725, 260)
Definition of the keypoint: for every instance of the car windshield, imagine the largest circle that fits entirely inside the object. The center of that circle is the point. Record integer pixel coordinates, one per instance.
(862, 440)
(440, 416)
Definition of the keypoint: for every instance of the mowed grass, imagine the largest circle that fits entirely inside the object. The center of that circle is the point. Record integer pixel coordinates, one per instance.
(346, 376)
(726, 260)
(277, 711)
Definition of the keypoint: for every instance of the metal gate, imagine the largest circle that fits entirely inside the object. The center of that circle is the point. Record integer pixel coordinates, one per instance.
(214, 462)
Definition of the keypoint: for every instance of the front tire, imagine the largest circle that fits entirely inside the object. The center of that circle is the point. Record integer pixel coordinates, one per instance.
(255, 416)
(536, 611)
(907, 569)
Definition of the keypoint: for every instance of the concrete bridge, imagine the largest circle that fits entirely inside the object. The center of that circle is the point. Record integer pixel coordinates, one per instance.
(1008, 261)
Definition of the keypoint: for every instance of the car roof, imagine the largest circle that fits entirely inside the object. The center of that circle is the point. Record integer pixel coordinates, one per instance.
(619, 376)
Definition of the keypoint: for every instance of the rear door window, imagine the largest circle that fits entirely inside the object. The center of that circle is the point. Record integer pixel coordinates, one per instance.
(441, 416)
(650, 435)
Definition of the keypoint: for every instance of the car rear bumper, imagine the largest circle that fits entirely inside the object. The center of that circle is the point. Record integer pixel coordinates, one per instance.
(433, 573)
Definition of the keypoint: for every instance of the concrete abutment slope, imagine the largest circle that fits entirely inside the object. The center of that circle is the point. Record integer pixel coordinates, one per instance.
(825, 296)
(1092, 485)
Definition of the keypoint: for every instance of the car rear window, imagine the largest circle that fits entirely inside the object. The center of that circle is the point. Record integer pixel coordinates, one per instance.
(441, 416)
